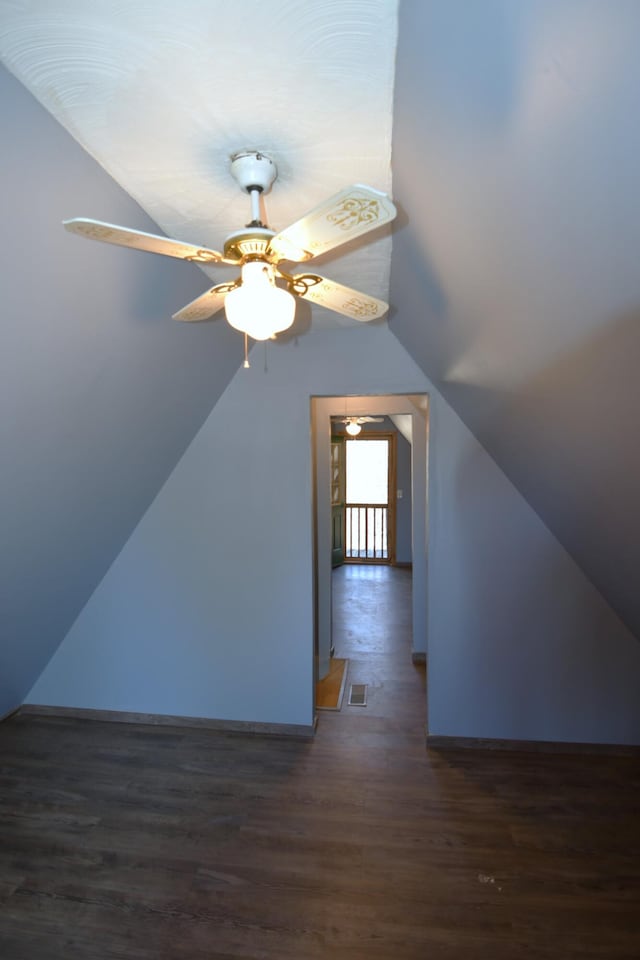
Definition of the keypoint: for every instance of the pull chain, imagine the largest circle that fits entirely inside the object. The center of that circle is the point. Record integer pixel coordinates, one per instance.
(246, 363)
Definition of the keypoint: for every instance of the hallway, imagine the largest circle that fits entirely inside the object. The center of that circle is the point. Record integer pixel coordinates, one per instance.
(372, 629)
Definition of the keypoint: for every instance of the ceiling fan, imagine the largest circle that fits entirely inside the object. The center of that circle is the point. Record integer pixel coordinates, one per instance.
(354, 424)
(261, 302)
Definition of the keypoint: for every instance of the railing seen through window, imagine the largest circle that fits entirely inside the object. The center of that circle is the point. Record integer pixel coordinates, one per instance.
(367, 532)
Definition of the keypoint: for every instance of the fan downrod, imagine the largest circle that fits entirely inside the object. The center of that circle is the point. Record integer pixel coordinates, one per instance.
(255, 172)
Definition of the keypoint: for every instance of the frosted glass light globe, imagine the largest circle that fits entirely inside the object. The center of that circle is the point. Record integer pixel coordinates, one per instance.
(257, 307)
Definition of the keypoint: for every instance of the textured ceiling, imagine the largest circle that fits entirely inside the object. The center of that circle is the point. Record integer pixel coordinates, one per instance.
(161, 94)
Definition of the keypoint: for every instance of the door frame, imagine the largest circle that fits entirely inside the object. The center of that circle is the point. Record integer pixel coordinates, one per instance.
(338, 486)
(322, 409)
(391, 487)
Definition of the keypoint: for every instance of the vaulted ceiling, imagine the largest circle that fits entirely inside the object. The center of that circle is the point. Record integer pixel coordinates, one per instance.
(163, 94)
(515, 282)
(513, 277)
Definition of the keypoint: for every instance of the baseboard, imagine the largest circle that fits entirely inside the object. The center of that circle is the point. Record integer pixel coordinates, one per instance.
(289, 730)
(9, 714)
(404, 564)
(418, 656)
(531, 746)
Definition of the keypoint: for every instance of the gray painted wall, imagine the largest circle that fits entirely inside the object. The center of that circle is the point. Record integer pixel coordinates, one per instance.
(515, 286)
(208, 610)
(100, 391)
(523, 646)
(515, 274)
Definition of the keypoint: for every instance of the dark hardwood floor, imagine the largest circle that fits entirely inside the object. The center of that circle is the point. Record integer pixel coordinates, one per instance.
(140, 842)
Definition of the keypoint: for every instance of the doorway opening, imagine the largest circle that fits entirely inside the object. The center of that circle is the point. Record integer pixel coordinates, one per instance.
(363, 497)
(403, 557)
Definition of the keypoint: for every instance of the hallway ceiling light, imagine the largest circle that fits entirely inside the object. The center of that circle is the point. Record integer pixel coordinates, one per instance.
(354, 424)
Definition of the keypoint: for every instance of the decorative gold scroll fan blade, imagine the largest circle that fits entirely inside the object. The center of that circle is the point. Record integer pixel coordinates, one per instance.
(360, 420)
(349, 214)
(207, 304)
(337, 297)
(137, 240)
(262, 298)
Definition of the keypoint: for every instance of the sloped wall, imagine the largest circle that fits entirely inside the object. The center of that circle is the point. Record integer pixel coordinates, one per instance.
(208, 610)
(100, 391)
(521, 645)
(515, 278)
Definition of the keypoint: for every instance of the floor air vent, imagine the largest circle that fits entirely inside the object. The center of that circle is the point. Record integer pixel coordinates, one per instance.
(358, 695)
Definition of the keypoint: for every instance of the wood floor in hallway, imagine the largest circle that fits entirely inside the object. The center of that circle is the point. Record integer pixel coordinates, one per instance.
(372, 628)
(132, 842)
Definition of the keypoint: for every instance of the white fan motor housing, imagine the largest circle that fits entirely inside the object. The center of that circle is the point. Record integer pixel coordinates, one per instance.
(253, 170)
